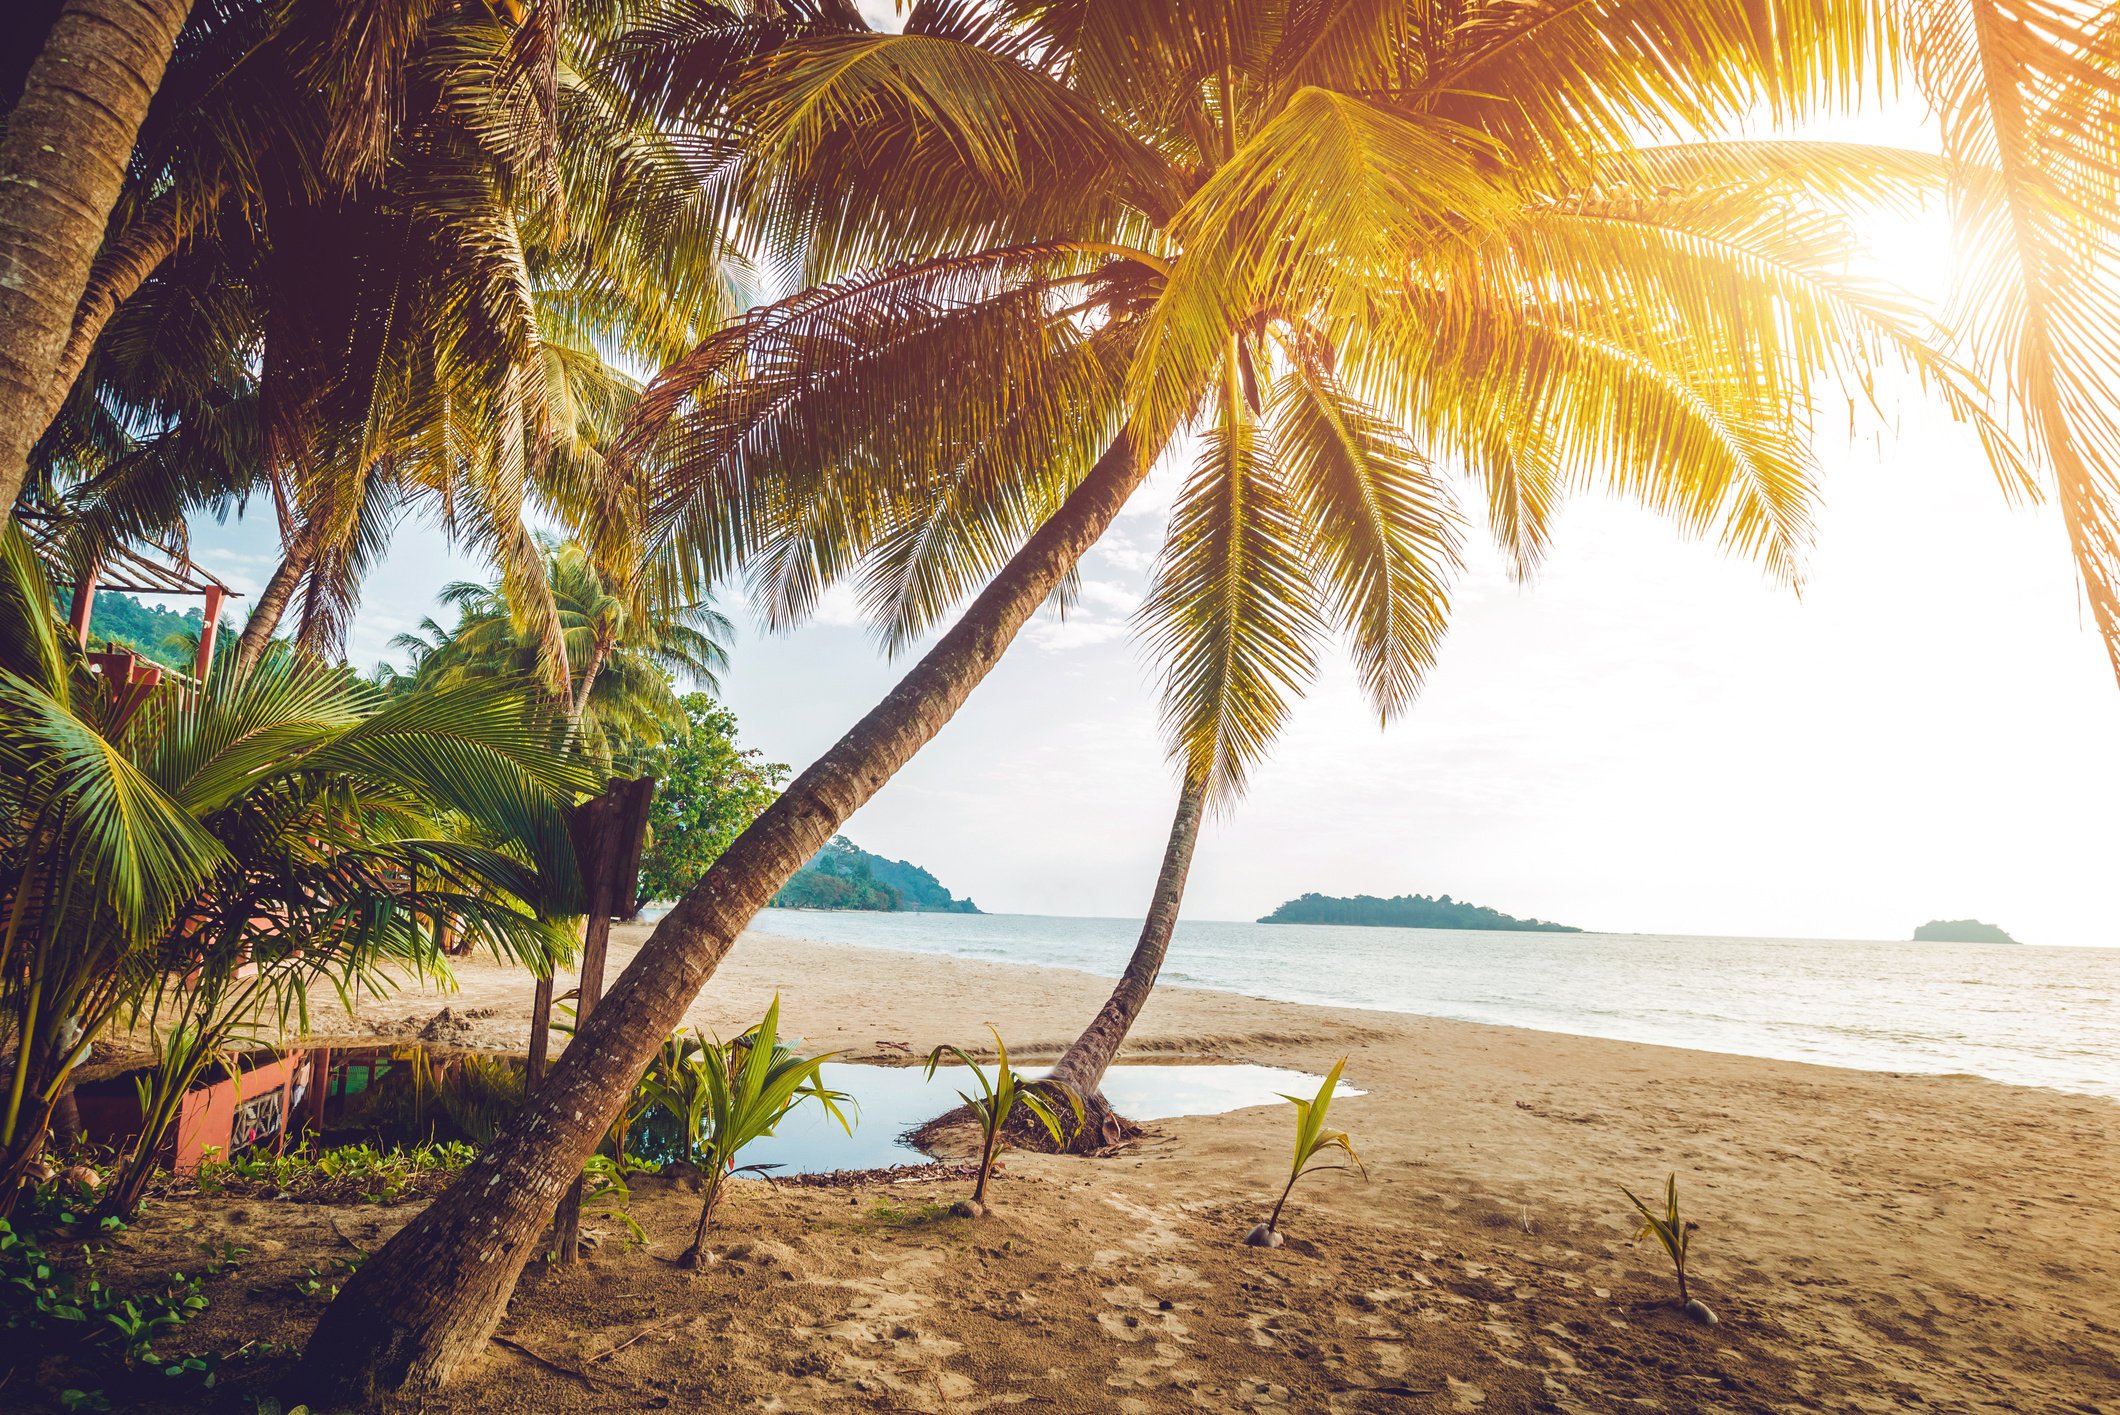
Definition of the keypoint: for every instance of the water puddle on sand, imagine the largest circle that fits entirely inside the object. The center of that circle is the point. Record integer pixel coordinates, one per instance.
(895, 1100)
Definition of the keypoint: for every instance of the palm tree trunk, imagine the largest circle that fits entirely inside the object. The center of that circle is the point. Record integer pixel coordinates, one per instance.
(578, 706)
(132, 255)
(1081, 1068)
(421, 1310)
(62, 166)
(272, 603)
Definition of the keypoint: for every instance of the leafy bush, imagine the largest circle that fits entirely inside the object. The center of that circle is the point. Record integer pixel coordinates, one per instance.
(50, 1308)
(347, 1174)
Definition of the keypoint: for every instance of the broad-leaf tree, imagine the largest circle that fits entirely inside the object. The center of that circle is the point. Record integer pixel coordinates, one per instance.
(708, 790)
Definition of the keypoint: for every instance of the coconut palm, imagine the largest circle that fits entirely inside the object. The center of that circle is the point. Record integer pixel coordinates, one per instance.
(2028, 94)
(628, 653)
(200, 863)
(63, 156)
(422, 315)
(1047, 240)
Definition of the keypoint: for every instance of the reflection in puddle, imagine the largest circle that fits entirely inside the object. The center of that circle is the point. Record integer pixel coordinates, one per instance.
(897, 1099)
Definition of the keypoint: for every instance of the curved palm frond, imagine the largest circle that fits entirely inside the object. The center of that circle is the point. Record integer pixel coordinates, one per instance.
(2029, 91)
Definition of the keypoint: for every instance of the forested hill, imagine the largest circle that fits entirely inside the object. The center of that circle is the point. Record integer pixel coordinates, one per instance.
(845, 876)
(1405, 911)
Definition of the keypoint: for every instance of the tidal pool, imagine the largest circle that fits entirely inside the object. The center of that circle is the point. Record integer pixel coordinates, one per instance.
(895, 1100)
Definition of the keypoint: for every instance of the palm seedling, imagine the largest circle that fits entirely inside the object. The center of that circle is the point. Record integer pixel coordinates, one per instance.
(729, 1095)
(997, 1100)
(1675, 1232)
(1312, 1140)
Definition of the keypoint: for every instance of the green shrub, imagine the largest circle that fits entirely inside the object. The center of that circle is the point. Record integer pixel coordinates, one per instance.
(345, 1174)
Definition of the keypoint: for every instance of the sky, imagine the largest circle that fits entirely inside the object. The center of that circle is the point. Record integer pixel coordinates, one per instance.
(1647, 737)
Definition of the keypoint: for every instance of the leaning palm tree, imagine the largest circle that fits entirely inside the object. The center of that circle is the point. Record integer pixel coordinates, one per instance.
(422, 314)
(196, 863)
(1045, 240)
(63, 154)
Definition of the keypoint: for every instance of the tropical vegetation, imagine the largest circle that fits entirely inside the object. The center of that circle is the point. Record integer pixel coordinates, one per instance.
(1357, 272)
(199, 866)
(726, 1096)
(1673, 1231)
(1312, 1141)
(845, 876)
(627, 653)
(708, 790)
(1343, 244)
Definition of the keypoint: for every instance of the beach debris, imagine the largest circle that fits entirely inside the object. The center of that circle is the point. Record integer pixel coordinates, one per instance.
(1312, 1140)
(996, 1102)
(1675, 1232)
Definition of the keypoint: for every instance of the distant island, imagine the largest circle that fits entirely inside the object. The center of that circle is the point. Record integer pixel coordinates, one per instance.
(845, 876)
(1960, 931)
(1405, 911)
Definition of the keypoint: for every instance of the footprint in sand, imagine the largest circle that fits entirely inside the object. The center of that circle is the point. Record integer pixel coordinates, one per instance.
(1139, 1317)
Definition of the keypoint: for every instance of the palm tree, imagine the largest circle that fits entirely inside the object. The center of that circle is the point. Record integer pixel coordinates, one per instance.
(63, 157)
(627, 652)
(430, 324)
(2027, 95)
(1080, 1069)
(186, 861)
(1045, 240)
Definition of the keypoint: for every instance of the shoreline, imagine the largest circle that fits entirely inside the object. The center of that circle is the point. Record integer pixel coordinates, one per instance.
(757, 953)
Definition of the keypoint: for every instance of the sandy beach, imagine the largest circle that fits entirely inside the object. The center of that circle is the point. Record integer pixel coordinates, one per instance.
(1872, 1242)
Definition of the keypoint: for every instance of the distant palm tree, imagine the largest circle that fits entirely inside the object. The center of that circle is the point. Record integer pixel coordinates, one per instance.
(1339, 241)
(629, 653)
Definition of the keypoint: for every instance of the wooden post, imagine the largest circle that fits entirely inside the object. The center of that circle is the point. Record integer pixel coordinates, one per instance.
(540, 1033)
(207, 630)
(608, 833)
(84, 604)
(319, 1088)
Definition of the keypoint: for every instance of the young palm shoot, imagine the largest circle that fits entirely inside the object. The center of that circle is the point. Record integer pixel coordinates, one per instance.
(740, 1093)
(1676, 1234)
(1312, 1140)
(996, 1101)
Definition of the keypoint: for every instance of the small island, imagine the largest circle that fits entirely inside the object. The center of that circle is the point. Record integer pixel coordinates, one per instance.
(1406, 911)
(845, 876)
(1960, 931)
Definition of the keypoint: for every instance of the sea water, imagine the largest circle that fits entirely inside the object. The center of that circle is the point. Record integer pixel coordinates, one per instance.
(2019, 1013)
